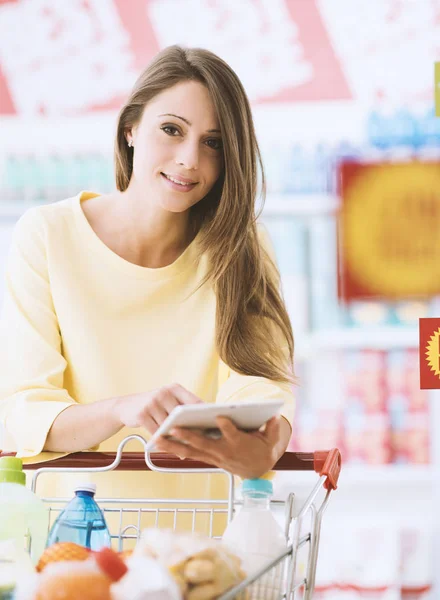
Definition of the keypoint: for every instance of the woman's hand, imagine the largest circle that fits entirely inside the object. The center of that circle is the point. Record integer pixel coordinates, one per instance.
(150, 409)
(248, 455)
(82, 426)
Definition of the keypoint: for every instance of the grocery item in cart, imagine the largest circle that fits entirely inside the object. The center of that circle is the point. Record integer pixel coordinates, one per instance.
(62, 551)
(254, 532)
(15, 562)
(75, 579)
(81, 522)
(146, 580)
(202, 567)
(69, 580)
(22, 512)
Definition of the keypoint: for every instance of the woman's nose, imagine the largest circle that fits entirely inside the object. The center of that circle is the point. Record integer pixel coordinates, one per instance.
(188, 156)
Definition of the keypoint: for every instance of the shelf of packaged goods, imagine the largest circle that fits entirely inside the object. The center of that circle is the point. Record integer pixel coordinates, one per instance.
(383, 338)
(300, 205)
(275, 205)
(14, 210)
(360, 475)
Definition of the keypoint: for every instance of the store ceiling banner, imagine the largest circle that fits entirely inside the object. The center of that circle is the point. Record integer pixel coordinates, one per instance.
(281, 50)
(429, 348)
(437, 88)
(389, 230)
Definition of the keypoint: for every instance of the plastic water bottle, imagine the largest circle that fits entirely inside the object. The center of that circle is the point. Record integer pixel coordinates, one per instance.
(403, 128)
(255, 535)
(82, 521)
(22, 512)
(322, 169)
(428, 129)
(379, 122)
(296, 171)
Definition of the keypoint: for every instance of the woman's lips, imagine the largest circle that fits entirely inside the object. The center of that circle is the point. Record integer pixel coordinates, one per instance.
(180, 187)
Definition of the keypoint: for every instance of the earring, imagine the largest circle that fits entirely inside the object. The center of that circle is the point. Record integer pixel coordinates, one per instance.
(130, 143)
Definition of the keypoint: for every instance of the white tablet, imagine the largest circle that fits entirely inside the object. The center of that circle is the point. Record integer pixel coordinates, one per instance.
(248, 416)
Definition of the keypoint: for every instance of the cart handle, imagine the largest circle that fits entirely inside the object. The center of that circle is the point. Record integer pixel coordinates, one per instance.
(324, 462)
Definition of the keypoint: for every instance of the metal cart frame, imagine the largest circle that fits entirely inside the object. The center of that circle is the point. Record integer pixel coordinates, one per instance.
(278, 579)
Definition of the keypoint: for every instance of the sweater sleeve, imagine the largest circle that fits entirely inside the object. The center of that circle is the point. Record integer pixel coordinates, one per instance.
(31, 362)
(245, 388)
(234, 387)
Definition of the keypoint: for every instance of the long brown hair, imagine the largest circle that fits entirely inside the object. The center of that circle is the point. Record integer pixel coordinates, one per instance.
(253, 331)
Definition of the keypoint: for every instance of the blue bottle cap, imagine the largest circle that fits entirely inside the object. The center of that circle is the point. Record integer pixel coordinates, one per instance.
(257, 485)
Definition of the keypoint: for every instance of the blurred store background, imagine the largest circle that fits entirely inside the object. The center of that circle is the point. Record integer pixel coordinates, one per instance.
(342, 93)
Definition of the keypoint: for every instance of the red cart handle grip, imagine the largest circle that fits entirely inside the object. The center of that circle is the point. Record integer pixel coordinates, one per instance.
(328, 463)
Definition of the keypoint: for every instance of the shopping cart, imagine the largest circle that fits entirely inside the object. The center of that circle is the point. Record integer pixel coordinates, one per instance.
(280, 578)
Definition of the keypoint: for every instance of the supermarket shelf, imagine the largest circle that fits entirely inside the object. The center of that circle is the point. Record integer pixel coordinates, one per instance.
(361, 475)
(300, 204)
(388, 475)
(276, 205)
(380, 338)
(14, 210)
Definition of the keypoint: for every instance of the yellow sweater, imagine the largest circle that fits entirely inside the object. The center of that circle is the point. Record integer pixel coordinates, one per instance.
(80, 324)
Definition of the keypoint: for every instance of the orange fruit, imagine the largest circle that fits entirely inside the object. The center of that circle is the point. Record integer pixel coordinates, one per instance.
(73, 582)
(62, 551)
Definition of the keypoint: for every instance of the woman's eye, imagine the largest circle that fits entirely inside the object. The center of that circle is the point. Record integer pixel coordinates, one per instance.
(215, 143)
(170, 129)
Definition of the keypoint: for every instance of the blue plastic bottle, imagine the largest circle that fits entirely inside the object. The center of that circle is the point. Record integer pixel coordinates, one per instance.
(296, 176)
(82, 521)
(322, 170)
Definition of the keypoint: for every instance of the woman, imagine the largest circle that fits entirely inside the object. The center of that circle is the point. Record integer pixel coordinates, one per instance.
(121, 306)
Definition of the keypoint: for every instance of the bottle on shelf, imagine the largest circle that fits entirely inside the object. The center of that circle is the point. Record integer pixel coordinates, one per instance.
(54, 178)
(297, 171)
(367, 313)
(105, 173)
(78, 179)
(403, 129)
(379, 123)
(428, 130)
(325, 310)
(345, 151)
(322, 170)
(256, 536)
(32, 179)
(82, 521)
(13, 180)
(289, 238)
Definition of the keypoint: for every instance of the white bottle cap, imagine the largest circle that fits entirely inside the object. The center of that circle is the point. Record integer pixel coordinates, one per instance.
(86, 487)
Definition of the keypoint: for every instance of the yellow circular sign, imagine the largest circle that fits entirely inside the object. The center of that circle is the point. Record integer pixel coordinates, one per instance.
(391, 229)
(433, 353)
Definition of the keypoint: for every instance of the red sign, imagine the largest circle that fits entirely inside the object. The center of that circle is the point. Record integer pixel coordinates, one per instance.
(429, 349)
(389, 245)
(281, 50)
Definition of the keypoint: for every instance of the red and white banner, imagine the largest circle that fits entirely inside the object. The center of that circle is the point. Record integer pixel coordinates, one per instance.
(72, 57)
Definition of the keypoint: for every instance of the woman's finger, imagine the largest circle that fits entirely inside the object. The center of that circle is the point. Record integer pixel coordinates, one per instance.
(194, 439)
(182, 450)
(158, 412)
(169, 401)
(150, 425)
(272, 430)
(229, 431)
(183, 395)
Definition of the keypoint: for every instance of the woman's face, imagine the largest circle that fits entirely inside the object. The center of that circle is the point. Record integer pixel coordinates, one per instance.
(178, 153)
